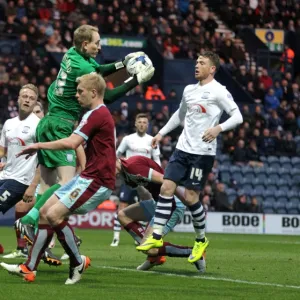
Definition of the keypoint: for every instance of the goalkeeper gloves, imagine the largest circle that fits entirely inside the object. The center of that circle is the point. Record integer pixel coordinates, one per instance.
(131, 55)
(145, 75)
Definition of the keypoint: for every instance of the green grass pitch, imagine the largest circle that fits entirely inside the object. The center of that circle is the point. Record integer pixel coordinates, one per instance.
(238, 267)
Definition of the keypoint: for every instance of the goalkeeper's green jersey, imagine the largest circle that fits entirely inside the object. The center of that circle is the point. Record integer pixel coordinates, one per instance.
(61, 93)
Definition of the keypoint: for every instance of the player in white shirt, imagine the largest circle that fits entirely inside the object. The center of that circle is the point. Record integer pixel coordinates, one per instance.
(138, 143)
(201, 108)
(18, 178)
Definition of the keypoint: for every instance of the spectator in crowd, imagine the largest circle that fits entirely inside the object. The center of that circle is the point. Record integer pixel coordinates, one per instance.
(252, 155)
(154, 93)
(240, 203)
(271, 101)
(221, 199)
(239, 153)
(255, 207)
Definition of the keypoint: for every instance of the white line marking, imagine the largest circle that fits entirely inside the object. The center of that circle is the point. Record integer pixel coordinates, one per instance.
(245, 240)
(203, 277)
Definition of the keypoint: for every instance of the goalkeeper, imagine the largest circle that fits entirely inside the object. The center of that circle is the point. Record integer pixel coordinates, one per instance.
(58, 167)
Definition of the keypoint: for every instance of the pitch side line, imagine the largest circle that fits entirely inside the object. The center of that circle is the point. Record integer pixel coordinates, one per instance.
(245, 240)
(204, 277)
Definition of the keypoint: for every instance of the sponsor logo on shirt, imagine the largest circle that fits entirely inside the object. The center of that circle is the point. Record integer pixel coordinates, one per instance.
(16, 142)
(197, 108)
(70, 157)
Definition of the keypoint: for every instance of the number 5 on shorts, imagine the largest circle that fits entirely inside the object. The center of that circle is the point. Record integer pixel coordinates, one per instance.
(4, 196)
(195, 172)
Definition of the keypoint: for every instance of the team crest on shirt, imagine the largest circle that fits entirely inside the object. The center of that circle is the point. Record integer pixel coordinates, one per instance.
(205, 95)
(25, 129)
(197, 108)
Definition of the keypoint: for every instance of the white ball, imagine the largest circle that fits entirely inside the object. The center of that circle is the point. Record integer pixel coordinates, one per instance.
(137, 64)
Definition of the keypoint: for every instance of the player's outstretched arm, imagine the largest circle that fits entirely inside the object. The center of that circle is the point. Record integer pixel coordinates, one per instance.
(71, 142)
(112, 95)
(108, 69)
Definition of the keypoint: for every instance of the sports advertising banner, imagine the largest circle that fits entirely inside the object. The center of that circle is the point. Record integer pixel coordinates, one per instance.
(217, 222)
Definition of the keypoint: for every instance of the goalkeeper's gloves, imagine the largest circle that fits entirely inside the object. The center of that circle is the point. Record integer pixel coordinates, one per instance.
(145, 75)
(131, 55)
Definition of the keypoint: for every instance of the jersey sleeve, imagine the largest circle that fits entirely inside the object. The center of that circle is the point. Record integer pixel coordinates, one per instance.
(226, 101)
(3, 141)
(156, 155)
(122, 147)
(89, 124)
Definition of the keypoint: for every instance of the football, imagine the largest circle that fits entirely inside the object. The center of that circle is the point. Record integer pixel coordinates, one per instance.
(137, 64)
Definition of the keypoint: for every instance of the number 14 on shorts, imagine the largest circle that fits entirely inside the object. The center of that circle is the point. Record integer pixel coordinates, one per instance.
(196, 174)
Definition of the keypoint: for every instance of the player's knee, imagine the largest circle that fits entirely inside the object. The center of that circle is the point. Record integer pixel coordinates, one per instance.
(121, 216)
(153, 252)
(51, 217)
(167, 189)
(191, 196)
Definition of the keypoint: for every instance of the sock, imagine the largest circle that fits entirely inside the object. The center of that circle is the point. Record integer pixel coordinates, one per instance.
(198, 215)
(48, 193)
(21, 242)
(41, 241)
(135, 230)
(172, 250)
(66, 237)
(162, 214)
(117, 227)
(33, 215)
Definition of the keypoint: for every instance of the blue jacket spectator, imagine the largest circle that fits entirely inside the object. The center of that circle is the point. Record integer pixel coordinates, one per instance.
(271, 101)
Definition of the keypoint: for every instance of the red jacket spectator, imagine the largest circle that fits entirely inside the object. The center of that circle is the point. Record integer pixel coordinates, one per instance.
(266, 79)
(154, 93)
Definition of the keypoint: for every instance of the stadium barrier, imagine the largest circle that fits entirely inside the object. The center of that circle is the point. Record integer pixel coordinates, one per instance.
(216, 222)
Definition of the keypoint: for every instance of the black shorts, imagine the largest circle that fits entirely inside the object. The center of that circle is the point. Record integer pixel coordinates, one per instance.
(128, 194)
(189, 170)
(11, 192)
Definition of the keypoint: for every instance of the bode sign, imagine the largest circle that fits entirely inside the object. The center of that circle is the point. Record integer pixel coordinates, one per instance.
(245, 223)
(215, 222)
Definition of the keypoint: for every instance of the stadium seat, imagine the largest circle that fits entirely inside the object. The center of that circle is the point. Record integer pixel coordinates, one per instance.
(269, 210)
(293, 211)
(267, 193)
(225, 176)
(263, 159)
(267, 204)
(273, 162)
(292, 205)
(285, 174)
(224, 159)
(274, 177)
(237, 176)
(279, 194)
(270, 171)
(283, 160)
(281, 211)
(282, 199)
(270, 184)
(295, 162)
(231, 198)
(261, 177)
(247, 169)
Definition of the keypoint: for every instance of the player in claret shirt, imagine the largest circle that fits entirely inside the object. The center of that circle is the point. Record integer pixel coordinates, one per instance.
(86, 190)
(138, 143)
(64, 111)
(146, 176)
